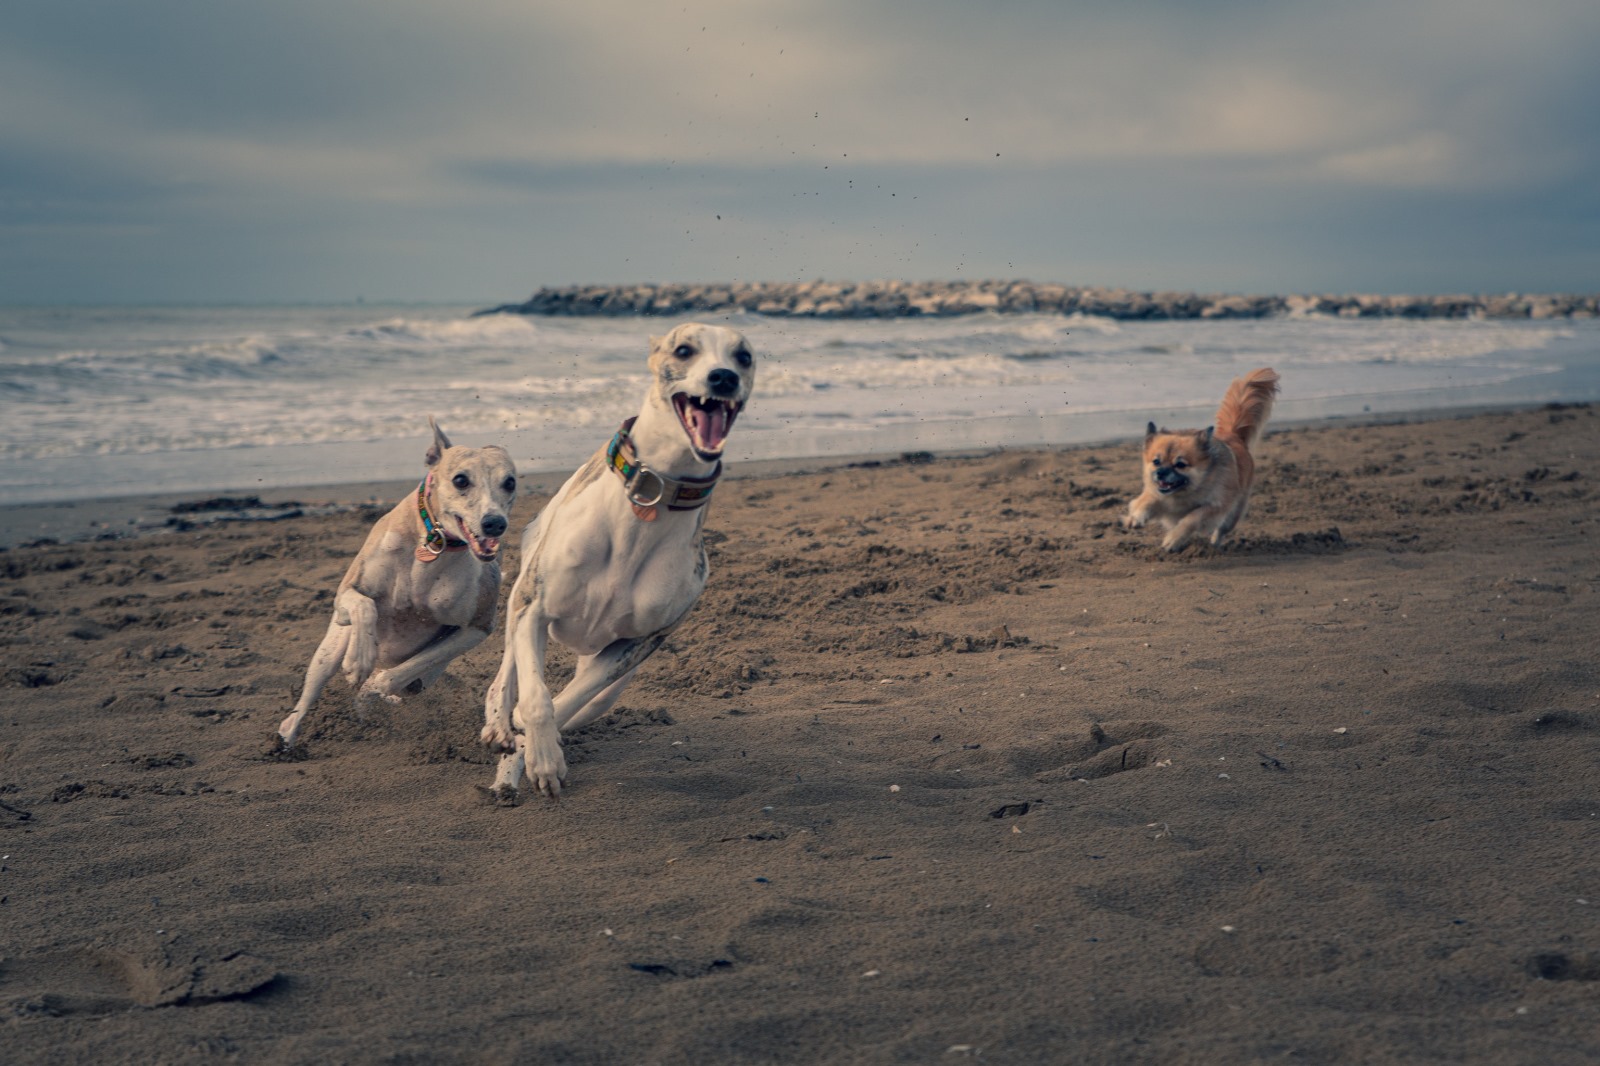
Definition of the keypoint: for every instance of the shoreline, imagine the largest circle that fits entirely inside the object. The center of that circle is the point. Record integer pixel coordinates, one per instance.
(98, 518)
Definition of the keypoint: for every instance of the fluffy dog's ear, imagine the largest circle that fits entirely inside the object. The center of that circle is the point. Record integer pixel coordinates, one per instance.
(1149, 430)
(1205, 435)
(440, 443)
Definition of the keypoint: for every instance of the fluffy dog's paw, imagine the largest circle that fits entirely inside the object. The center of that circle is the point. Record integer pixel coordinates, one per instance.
(1132, 521)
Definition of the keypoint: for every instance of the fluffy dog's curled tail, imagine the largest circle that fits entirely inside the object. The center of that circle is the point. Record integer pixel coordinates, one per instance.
(1247, 405)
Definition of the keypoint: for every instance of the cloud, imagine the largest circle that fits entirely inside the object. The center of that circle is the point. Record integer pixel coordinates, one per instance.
(317, 133)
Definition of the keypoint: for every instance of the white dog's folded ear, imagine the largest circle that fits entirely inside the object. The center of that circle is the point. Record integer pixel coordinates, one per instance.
(656, 342)
(440, 443)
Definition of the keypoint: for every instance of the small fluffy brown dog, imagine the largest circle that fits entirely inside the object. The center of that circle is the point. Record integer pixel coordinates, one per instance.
(1197, 481)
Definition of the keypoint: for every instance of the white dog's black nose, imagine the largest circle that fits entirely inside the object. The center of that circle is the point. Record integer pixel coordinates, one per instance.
(494, 525)
(723, 381)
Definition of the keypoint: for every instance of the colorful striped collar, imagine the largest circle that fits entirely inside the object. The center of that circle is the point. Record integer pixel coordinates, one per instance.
(648, 489)
(434, 541)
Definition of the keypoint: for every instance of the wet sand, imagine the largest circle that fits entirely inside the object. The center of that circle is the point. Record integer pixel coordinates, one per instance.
(944, 767)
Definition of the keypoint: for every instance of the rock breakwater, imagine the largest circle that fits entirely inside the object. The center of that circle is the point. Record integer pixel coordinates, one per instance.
(899, 299)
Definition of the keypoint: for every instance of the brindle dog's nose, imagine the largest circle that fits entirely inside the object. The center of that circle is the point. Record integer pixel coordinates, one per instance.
(723, 381)
(494, 525)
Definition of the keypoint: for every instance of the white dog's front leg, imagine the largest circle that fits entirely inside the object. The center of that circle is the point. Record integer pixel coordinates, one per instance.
(498, 732)
(535, 713)
(577, 718)
(424, 666)
(601, 677)
(508, 775)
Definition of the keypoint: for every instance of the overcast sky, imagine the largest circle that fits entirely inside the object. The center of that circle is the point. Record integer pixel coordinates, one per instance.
(285, 150)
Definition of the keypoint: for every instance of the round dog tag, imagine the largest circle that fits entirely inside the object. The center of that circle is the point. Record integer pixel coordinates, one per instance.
(645, 514)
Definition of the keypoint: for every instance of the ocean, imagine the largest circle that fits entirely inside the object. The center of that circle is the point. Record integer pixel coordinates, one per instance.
(117, 401)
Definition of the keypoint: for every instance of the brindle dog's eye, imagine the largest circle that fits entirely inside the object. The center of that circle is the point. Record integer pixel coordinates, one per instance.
(461, 481)
(683, 351)
(509, 484)
(742, 357)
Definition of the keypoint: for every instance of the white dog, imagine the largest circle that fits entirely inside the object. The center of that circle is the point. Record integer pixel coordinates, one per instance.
(616, 560)
(425, 586)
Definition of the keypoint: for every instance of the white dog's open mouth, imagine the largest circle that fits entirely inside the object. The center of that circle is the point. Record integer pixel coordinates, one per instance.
(484, 548)
(706, 421)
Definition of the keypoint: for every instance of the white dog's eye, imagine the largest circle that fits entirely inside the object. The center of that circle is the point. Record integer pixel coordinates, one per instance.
(683, 351)
(742, 357)
(509, 484)
(461, 481)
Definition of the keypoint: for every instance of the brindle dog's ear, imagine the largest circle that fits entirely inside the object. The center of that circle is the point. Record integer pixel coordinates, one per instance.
(440, 443)
(1149, 430)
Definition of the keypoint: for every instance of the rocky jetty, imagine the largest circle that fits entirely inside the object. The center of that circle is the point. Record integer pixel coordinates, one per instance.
(898, 299)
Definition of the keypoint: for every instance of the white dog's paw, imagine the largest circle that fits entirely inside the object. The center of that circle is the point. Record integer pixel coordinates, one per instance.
(499, 736)
(547, 766)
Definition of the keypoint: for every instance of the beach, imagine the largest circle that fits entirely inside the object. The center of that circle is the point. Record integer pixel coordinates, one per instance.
(945, 766)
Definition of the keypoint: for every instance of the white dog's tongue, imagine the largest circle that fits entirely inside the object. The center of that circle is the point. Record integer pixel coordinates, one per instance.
(710, 425)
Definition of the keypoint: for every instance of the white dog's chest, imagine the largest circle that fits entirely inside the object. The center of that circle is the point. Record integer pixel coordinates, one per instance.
(626, 593)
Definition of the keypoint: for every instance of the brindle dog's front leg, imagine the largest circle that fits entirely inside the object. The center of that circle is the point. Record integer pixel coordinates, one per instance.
(351, 642)
(324, 664)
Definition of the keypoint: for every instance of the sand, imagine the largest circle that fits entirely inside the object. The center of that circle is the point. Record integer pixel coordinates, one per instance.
(944, 767)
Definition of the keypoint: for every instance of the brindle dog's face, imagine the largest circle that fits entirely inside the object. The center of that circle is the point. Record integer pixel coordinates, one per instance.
(1176, 461)
(705, 374)
(473, 489)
